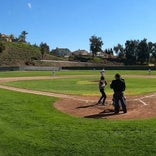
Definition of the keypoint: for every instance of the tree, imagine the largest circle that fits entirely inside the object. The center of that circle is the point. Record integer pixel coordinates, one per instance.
(22, 37)
(2, 47)
(131, 51)
(11, 37)
(109, 51)
(119, 50)
(0, 36)
(95, 44)
(143, 52)
(44, 49)
(153, 53)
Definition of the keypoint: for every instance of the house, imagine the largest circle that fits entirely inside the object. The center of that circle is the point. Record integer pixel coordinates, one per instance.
(80, 53)
(100, 53)
(61, 52)
(4, 37)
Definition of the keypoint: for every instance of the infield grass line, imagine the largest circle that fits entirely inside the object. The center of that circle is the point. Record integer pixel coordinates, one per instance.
(148, 96)
(65, 95)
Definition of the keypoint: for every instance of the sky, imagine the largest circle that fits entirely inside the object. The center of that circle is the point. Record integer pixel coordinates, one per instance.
(70, 23)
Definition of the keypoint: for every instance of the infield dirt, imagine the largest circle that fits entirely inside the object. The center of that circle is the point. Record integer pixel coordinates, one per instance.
(139, 107)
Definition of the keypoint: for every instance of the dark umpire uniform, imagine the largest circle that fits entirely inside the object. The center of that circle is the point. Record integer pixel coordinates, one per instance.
(118, 85)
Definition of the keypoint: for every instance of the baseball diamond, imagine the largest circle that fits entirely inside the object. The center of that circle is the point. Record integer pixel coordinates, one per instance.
(139, 107)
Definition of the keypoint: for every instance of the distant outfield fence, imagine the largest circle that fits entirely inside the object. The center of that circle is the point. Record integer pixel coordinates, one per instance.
(112, 68)
(37, 68)
(30, 68)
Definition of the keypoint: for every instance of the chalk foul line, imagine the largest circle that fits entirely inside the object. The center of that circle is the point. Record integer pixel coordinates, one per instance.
(67, 96)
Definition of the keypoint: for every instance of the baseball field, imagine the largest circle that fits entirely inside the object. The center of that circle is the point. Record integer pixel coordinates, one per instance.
(46, 115)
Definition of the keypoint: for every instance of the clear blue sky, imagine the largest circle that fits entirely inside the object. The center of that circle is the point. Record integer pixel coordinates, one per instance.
(70, 23)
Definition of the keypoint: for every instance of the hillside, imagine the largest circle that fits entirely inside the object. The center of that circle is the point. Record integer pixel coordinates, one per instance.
(16, 54)
(23, 54)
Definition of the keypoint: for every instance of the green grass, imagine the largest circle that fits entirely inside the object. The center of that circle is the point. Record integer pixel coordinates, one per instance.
(87, 85)
(30, 126)
(137, 86)
(46, 73)
(24, 73)
(73, 72)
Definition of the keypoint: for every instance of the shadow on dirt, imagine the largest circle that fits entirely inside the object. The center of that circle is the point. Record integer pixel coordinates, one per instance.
(103, 114)
(86, 106)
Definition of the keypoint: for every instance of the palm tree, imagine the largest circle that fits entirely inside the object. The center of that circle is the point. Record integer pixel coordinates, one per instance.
(119, 50)
(22, 37)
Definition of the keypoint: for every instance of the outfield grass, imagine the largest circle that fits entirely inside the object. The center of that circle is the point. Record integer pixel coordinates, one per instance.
(30, 126)
(87, 85)
(73, 72)
(47, 73)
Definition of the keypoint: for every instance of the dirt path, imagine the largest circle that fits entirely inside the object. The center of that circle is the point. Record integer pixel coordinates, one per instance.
(139, 107)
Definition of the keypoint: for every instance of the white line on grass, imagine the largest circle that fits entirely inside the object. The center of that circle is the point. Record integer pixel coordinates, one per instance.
(148, 96)
(67, 96)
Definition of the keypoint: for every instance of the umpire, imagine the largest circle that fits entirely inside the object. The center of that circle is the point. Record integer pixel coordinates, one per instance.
(118, 85)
